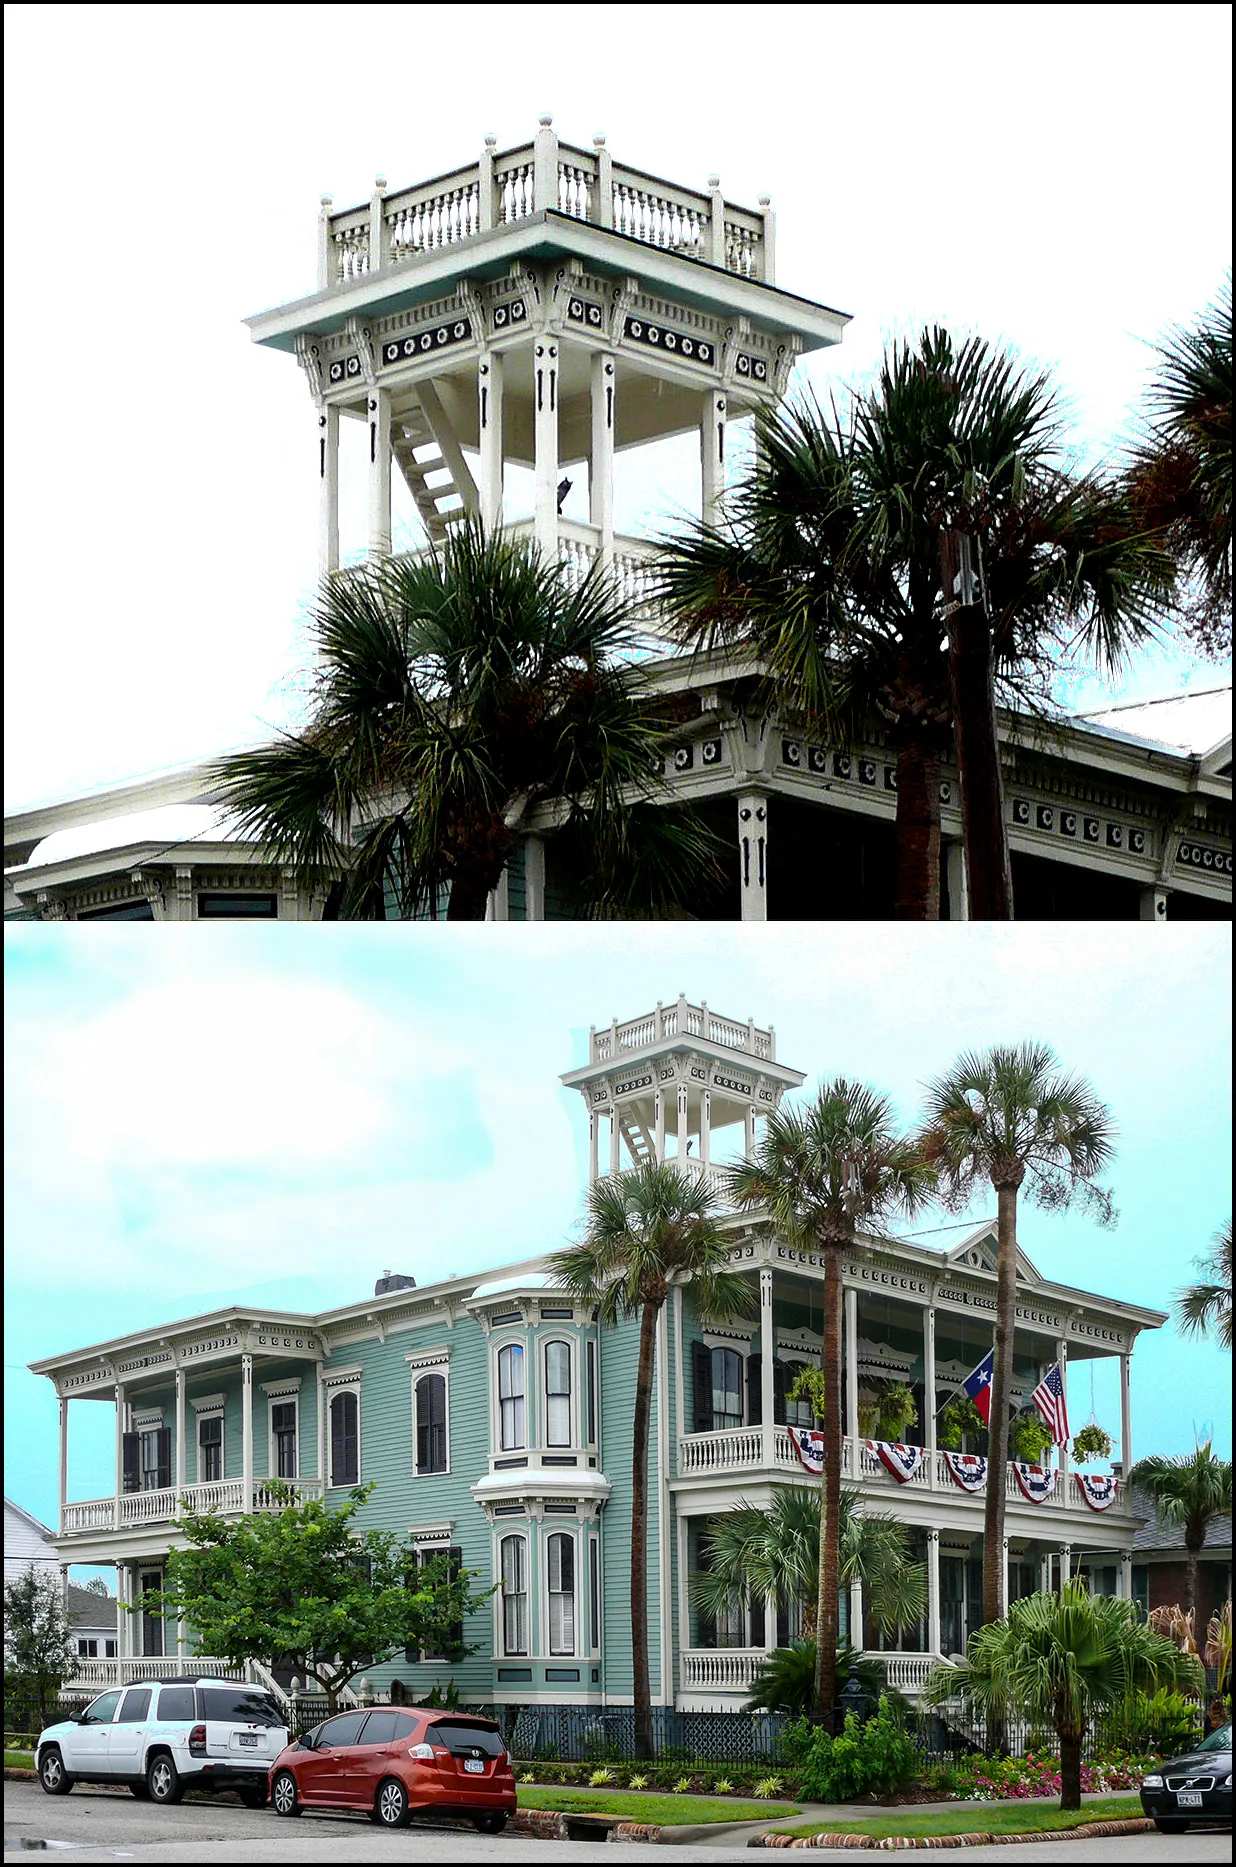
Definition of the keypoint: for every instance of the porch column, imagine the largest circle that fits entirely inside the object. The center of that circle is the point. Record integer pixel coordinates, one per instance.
(594, 1138)
(712, 455)
(181, 1474)
(615, 1157)
(705, 1127)
(851, 1375)
(182, 1640)
(328, 497)
(379, 411)
(534, 878)
(1066, 1563)
(958, 887)
(246, 1433)
(1152, 905)
(119, 1452)
(601, 458)
(659, 1106)
(929, 1390)
(64, 1457)
(753, 856)
(1126, 1575)
(1062, 1356)
(124, 1627)
(767, 1350)
(1045, 1574)
(489, 415)
(933, 1591)
(682, 1121)
(1004, 1579)
(321, 1430)
(545, 430)
(856, 1614)
(1126, 1420)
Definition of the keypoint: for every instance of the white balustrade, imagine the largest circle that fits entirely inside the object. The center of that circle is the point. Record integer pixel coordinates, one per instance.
(98, 1514)
(147, 1507)
(349, 237)
(91, 1676)
(905, 1671)
(723, 1670)
(637, 1032)
(515, 186)
(743, 241)
(437, 214)
(659, 214)
(739, 1449)
(576, 185)
(224, 1497)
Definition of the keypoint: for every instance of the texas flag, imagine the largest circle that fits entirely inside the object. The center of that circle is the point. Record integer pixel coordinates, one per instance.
(978, 1386)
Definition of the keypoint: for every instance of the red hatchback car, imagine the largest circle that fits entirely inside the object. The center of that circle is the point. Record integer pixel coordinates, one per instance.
(393, 1762)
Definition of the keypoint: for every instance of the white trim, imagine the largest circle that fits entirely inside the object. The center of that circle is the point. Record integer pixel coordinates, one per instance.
(574, 1440)
(420, 1370)
(429, 1357)
(281, 1390)
(498, 1345)
(525, 1537)
(342, 1377)
(578, 1648)
(337, 1385)
(147, 1420)
(442, 1532)
(209, 1403)
(280, 1394)
(212, 1413)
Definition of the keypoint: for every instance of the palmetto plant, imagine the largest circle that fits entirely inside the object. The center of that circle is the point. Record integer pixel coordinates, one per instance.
(452, 692)
(1010, 1118)
(1208, 1304)
(647, 1231)
(785, 1680)
(1189, 1491)
(1062, 1660)
(820, 1172)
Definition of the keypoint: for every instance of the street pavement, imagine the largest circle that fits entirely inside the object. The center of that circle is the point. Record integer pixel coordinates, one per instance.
(101, 1825)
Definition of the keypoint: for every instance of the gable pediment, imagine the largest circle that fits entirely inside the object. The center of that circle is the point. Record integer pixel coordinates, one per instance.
(980, 1251)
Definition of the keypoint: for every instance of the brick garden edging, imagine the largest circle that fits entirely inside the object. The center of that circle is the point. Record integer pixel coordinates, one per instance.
(889, 1844)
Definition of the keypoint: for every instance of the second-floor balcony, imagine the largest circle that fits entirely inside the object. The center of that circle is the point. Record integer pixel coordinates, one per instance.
(134, 1509)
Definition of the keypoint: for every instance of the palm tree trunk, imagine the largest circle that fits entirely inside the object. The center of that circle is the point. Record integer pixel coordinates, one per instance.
(1001, 1384)
(978, 750)
(1070, 1769)
(641, 1690)
(826, 1628)
(1192, 1552)
(918, 826)
(469, 898)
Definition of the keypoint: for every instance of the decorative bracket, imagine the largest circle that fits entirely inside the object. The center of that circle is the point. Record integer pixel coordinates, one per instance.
(362, 337)
(309, 356)
(624, 297)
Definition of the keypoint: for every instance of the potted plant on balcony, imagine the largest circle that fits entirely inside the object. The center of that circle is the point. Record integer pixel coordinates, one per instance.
(1029, 1437)
(960, 1417)
(1092, 1443)
(896, 1409)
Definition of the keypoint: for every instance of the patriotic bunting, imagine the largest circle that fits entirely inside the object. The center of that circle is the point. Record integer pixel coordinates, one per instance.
(901, 1461)
(1037, 1482)
(1098, 1491)
(967, 1469)
(809, 1446)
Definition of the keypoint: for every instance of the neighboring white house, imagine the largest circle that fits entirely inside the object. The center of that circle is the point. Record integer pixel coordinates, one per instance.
(26, 1540)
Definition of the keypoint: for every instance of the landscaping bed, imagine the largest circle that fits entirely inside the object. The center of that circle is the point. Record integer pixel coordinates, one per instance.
(762, 1783)
(664, 1810)
(1015, 1818)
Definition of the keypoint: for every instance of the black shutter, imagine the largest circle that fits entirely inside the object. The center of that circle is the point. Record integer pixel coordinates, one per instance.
(422, 1424)
(783, 1621)
(756, 1617)
(455, 1630)
(755, 1408)
(701, 1387)
(780, 1384)
(163, 1456)
(132, 1445)
(343, 1463)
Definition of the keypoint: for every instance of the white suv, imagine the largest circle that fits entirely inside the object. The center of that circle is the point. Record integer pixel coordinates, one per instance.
(167, 1736)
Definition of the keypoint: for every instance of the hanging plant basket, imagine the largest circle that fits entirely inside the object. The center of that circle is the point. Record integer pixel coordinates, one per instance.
(868, 1419)
(895, 1410)
(960, 1417)
(1092, 1443)
(1029, 1438)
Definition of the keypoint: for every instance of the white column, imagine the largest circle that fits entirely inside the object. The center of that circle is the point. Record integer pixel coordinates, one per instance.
(328, 480)
(246, 1432)
(1066, 1562)
(933, 1590)
(851, 1372)
(753, 856)
(1004, 1579)
(929, 1390)
(379, 401)
(768, 261)
(856, 1615)
(1126, 1574)
(534, 878)
(64, 1457)
(712, 455)
(489, 416)
(706, 1126)
(1045, 1574)
(1062, 1356)
(594, 1138)
(1152, 905)
(545, 432)
(682, 1121)
(321, 1431)
(123, 1620)
(659, 1106)
(768, 1349)
(958, 886)
(750, 1131)
(119, 1452)
(601, 459)
(615, 1158)
(1126, 1420)
(181, 1474)
(545, 165)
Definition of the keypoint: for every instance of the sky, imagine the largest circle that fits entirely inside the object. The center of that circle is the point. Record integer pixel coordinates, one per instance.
(1056, 178)
(265, 1119)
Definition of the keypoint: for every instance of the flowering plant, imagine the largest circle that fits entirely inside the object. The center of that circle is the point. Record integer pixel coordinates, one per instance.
(1007, 1779)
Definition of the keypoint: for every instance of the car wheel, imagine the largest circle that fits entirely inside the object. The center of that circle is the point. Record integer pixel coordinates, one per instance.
(1169, 1827)
(391, 1804)
(253, 1798)
(489, 1824)
(52, 1773)
(162, 1780)
(284, 1797)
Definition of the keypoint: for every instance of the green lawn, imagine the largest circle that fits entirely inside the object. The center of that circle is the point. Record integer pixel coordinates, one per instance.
(965, 1818)
(643, 1807)
(19, 1760)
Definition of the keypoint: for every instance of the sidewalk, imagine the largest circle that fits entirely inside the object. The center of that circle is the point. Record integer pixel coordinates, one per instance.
(824, 1814)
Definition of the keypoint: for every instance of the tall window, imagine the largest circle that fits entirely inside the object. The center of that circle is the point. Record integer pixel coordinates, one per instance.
(726, 1389)
(283, 1433)
(344, 1440)
(557, 1394)
(562, 1594)
(797, 1412)
(514, 1552)
(210, 1449)
(150, 1460)
(430, 1397)
(511, 1397)
(592, 1393)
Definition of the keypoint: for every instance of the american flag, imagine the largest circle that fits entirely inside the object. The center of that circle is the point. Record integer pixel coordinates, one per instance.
(1048, 1397)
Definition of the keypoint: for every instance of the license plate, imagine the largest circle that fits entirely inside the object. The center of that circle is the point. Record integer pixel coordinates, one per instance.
(475, 1767)
(1188, 1798)
(249, 1738)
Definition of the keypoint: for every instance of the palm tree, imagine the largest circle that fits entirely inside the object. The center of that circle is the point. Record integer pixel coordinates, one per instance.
(1063, 1659)
(776, 1553)
(454, 691)
(785, 1679)
(1188, 1490)
(819, 1173)
(1201, 1305)
(1181, 476)
(1011, 1119)
(828, 565)
(646, 1231)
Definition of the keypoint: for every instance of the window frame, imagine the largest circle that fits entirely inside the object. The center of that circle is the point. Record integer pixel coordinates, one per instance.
(282, 1394)
(548, 1397)
(731, 1423)
(559, 1594)
(334, 1393)
(590, 1392)
(214, 1408)
(521, 1538)
(440, 1370)
(519, 1400)
(87, 1649)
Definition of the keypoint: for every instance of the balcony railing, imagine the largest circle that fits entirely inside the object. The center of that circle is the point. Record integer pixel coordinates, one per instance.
(90, 1676)
(682, 1020)
(501, 188)
(135, 1508)
(733, 1669)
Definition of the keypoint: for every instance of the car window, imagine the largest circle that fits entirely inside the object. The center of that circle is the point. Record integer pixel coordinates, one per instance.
(386, 1727)
(338, 1731)
(1218, 1740)
(136, 1705)
(237, 1705)
(103, 1710)
(178, 1701)
(462, 1734)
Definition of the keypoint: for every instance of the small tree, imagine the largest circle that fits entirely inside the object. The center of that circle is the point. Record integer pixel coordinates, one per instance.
(302, 1587)
(97, 1586)
(38, 1654)
(1188, 1492)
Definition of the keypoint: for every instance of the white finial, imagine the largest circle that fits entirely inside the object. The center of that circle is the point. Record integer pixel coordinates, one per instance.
(545, 119)
(765, 200)
(491, 141)
(598, 141)
(379, 183)
(714, 181)
(326, 200)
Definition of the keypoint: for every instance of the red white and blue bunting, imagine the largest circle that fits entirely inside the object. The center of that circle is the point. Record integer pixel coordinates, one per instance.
(809, 1446)
(1037, 1482)
(967, 1469)
(901, 1461)
(1098, 1490)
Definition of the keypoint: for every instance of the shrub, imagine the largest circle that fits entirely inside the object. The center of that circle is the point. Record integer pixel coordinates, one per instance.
(682, 1785)
(600, 1778)
(878, 1757)
(1168, 1723)
(1007, 1779)
(767, 1787)
(527, 1776)
(723, 1786)
(638, 1782)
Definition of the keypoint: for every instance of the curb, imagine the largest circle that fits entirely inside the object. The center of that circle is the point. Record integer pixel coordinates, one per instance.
(20, 1776)
(890, 1844)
